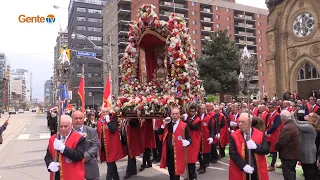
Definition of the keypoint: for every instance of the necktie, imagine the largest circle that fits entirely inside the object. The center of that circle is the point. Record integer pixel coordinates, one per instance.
(63, 140)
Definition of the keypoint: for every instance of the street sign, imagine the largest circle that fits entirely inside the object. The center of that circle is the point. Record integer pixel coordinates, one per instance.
(87, 54)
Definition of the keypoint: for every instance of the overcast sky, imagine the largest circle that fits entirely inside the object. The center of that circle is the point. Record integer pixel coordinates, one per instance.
(30, 46)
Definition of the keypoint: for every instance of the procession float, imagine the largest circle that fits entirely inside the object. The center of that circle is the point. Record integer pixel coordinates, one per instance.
(158, 69)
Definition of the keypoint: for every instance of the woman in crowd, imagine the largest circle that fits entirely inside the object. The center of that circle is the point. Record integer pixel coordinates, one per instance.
(258, 123)
(308, 130)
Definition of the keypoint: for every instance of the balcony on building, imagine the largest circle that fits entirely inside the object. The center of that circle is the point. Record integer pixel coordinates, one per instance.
(242, 32)
(205, 38)
(179, 6)
(244, 25)
(121, 50)
(206, 21)
(206, 30)
(123, 30)
(206, 10)
(124, 2)
(123, 9)
(164, 15)
(123, 41)
(124, 20)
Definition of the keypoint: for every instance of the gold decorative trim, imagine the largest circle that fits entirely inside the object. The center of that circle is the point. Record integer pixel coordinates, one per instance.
(149, 31)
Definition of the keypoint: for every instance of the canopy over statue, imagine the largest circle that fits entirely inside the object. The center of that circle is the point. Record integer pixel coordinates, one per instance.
(158, 69)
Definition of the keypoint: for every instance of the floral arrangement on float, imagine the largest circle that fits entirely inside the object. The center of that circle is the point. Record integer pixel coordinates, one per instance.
(180, 87)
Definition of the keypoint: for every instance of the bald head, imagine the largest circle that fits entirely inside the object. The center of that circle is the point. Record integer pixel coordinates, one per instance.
(65, 125)
(244, 122)
(77, 113)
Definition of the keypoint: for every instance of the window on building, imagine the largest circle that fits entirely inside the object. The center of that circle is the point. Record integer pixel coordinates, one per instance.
(217, 16)
(193, 13)
(259, 32)
(229, 27)
(194, 31)
(81, 18)
(95, 11)
(90, 93)
(228, 10)
(308, 71)
(218, 25)
(228, 18)
(258, 15)
(89, 75)
(260, 48)
(262, 82)
(79, 9)
(94, 38)
(261, 65)
(217, 8)
(194, 22)
(81, 28)
(261, 73)
(194, 41)
(79, 74)
(260, 56)
(260, 40)
(193, 3)
(259, 23)
(95, 20)
(95, 29)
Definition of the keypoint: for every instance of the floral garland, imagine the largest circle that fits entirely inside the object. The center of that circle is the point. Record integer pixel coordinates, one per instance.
(183, 83)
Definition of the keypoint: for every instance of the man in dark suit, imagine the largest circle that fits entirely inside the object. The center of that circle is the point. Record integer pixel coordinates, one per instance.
(53, 121)
(91, 148)
(70, 147)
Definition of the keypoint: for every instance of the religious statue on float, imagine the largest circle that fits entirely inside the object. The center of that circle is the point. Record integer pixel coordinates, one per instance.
(160, 73)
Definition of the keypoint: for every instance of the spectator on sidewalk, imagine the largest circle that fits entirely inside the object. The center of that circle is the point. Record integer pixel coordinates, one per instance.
(2, 128)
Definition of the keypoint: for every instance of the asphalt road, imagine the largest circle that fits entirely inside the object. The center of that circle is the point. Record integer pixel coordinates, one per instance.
(25, 143)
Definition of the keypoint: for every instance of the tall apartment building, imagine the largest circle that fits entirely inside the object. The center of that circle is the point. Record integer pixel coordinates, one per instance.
(85, 21)
(20, 87)
(4, 81)
(61, 41)
(247, 27)
(47, 91)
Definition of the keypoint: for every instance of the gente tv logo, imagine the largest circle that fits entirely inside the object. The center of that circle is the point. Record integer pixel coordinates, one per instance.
(50, 19)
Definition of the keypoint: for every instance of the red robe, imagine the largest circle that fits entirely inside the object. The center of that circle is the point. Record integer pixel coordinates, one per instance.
(255, 111)
(158, 124)
(265, 116)
(112, 143)
(314, 110)
(206, 147)
(290, 108)
(179, 153)
(273, 137)
(134, 139)
(194, 148)
(224, 133)
(70, 171)
(148, 137)
(238, 174)
(231, 117)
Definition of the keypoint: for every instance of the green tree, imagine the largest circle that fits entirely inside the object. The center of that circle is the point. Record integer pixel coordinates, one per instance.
(219, 65)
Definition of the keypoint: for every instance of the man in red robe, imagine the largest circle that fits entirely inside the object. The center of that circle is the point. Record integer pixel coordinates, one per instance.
(131, 137)
(206, 138)
(157, 123)
(111, 147)
(194, 127)
(148, 141)
(220, 128)
(175, 139)
(241, 145)
(71, 148)
(273, 130)
(234, 118)
(264, 114)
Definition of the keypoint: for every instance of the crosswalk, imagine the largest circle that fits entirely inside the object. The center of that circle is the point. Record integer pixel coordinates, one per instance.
(33, 136)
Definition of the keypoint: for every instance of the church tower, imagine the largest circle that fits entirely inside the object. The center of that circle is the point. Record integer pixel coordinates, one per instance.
(293, 36)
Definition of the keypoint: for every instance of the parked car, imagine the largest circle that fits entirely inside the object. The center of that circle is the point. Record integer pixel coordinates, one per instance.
(33, 110)
(12, 111)
(20, 111)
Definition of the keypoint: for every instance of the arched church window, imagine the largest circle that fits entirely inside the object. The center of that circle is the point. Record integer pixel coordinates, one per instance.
(308, 71)
(314, 72)
(301, 74)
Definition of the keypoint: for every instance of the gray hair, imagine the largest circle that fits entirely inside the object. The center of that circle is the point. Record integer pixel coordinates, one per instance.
(66, 118)
(286, 115)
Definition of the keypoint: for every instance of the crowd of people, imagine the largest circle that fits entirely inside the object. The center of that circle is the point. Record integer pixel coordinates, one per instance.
(289, 128)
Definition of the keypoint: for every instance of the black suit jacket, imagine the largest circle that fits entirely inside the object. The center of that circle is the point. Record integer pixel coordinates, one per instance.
(76, 154)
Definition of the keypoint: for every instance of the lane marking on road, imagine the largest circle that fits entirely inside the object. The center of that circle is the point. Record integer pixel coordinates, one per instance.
(45, 135)
(216, 168)
(24, 129)
(223, 163)
(24, 136)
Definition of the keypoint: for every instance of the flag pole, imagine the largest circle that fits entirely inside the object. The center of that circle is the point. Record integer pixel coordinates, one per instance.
(83, 101)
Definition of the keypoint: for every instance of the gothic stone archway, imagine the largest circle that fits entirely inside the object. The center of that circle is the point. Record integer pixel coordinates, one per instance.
(305, 76)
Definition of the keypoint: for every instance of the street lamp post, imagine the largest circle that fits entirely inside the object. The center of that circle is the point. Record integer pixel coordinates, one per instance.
(248, 66)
